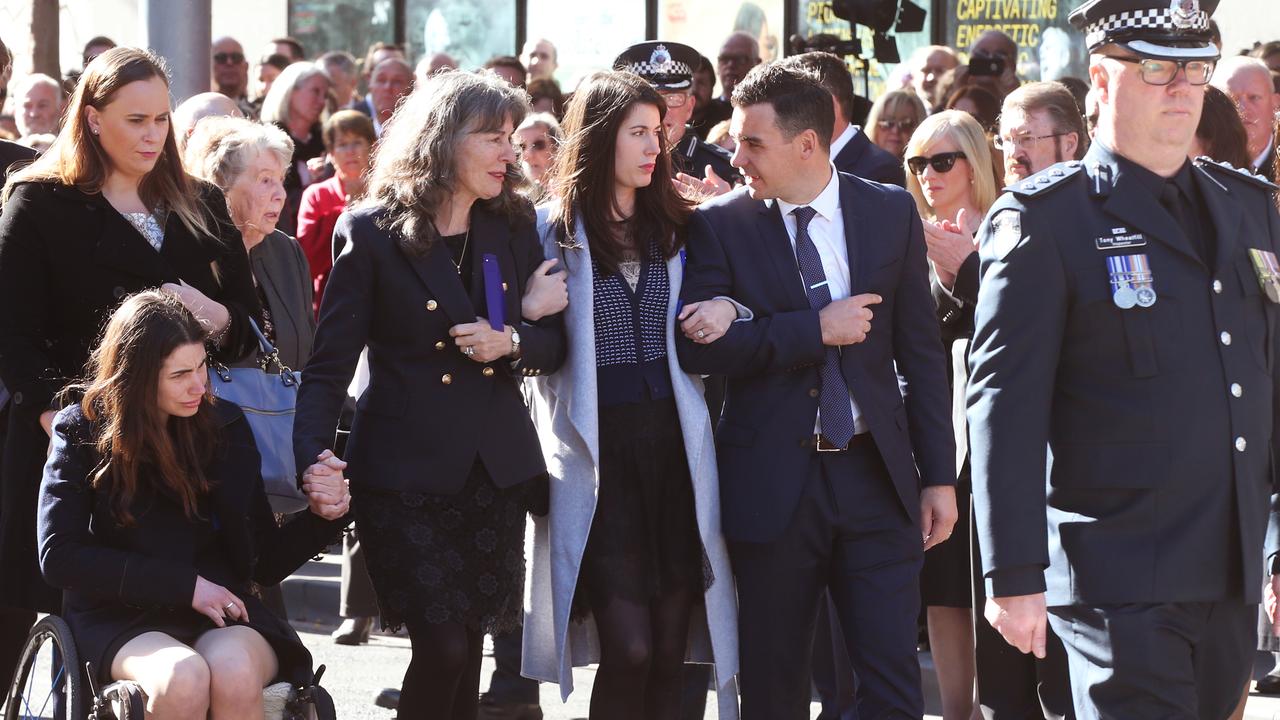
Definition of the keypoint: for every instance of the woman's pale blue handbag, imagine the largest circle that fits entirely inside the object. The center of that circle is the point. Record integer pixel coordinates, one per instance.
(268, 400)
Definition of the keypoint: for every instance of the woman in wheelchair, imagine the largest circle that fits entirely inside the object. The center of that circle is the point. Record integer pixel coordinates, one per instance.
(154, 521)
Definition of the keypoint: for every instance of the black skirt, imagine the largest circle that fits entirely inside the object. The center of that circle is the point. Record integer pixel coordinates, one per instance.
(644, 539)
(947, 577)
(446, 558)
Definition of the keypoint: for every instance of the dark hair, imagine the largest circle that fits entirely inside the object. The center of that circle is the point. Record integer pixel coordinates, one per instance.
(299, 53)
(1079, 90)
(1057, 101)
(507, 61)
(986, 104)
(706, 66)
(1221, 131)
(99, 41)
(799, 101)
(366, 65)
(414, 164)
(832, 73)
(138, 443)
(550, 89)
(583, 174)
(348, 121)
(1262, 50)
(277, 61)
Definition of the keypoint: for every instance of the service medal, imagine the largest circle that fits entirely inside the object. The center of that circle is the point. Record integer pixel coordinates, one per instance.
(1267, 268)
(1145, 296)
(1125, 297)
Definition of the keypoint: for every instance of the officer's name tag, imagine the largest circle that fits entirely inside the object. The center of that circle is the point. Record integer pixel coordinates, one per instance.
(1120, 240)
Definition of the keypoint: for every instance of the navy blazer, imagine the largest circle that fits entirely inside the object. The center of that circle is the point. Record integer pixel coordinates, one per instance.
(428, 410)
(867, 160)
(738, 247)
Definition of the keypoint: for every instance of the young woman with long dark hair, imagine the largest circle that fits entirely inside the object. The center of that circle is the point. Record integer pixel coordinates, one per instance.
(632, 546)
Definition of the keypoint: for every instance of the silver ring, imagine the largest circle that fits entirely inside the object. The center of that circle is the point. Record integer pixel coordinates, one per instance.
(228, 606)
(468, 351)
(701, 334)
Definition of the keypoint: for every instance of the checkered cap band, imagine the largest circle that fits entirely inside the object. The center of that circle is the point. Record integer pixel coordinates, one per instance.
(650, 69)
(1153, 19)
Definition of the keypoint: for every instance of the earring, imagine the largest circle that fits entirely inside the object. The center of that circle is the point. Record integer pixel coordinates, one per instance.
(93, 130)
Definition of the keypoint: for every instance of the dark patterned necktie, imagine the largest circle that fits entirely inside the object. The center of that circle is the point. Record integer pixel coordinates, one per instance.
(833, 397)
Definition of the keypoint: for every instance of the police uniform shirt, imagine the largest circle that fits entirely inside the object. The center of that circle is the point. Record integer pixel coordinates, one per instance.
(1191, 213)
(827, 232)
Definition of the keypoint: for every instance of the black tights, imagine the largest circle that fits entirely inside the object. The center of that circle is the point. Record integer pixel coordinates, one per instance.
(14, 626)
(443, 679)
(642, 649)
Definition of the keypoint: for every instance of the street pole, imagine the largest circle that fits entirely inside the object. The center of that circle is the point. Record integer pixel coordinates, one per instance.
(180, 31)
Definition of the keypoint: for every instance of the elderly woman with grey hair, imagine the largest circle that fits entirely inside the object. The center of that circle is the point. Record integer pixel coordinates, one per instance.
(295, 104)
(247, 161)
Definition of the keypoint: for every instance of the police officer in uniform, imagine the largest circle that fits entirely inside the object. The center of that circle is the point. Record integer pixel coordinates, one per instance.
(1122, 393)
(669, 67)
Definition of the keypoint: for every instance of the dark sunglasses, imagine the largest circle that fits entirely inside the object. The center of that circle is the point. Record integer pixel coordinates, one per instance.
(905, 126)
(228, 58)
(942, 162)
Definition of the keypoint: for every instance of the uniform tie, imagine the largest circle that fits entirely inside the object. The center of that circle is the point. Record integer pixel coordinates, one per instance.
(1178, 205)
(833, 399)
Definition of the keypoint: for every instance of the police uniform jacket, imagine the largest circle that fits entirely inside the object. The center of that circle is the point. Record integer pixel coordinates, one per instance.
(429, 410)
(1123, 455)
(692, 156)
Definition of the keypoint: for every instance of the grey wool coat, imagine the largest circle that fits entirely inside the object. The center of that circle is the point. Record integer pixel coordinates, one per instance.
(566, 412)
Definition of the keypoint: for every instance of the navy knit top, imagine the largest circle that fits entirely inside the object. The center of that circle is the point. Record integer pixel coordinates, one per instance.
(631, 332)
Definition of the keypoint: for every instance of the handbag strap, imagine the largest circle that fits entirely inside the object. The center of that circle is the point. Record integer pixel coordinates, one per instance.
(269, 355)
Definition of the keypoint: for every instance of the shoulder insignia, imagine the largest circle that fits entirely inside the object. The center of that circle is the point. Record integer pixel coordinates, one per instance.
(1224, 169)
(1006, 232)
(1046, 180)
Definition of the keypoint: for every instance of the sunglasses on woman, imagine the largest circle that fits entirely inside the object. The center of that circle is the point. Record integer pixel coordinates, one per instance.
(942, 162)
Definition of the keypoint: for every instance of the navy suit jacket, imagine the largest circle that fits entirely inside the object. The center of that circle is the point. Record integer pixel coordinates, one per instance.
(739, 248)
(867, 160)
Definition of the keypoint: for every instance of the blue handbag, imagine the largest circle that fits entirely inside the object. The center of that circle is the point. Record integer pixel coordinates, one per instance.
(268, 400)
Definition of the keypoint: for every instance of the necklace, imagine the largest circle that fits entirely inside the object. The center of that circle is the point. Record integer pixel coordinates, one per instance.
(457, 264)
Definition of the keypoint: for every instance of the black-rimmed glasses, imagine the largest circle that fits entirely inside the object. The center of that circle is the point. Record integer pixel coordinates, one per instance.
(904, 126)
(228, 58)
(941, 163)
(1162, 72)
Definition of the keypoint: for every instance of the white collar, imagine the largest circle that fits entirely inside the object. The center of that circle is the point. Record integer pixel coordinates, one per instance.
(844, 139)
(826, 204)
(1258, 161)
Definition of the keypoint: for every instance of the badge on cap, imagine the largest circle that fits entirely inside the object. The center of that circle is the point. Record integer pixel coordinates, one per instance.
(1184, 13)
(1268, 271)
(1131, 281)
(1006, 232)
(660, 57)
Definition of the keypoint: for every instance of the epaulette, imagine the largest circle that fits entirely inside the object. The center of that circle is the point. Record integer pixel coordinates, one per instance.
(1229, 170)
(1046, 180)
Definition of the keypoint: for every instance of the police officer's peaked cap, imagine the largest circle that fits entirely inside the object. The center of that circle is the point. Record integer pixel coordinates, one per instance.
(665, 65)
(1164, 29)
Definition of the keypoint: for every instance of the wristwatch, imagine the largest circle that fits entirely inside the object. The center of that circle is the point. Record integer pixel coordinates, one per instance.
(515, 342)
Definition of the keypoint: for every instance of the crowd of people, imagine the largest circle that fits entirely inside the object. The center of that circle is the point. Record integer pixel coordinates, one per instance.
(786, 382)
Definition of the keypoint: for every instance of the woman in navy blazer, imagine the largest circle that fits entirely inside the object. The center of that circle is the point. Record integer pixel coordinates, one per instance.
(154, 521)
(442, 451)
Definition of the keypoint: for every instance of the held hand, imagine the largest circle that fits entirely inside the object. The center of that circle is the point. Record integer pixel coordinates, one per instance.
(328, 492)
(46, 422)
(938, 514)
(847, 321)
(707, 321)
(486, 343)
(1021, 620)
(211, 314)
(949, 245)
(1271, 601)
(217, 603)
(546, 293)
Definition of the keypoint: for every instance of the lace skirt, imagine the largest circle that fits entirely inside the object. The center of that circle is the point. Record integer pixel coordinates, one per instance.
(644, 537)
(446, 558)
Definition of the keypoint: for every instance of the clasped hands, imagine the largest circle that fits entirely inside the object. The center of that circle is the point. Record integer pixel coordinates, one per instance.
(328, 491)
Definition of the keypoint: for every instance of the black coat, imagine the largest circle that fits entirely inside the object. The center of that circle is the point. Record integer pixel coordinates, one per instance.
(868, 161)
(122, 581)
(67, 259)
(429, 410)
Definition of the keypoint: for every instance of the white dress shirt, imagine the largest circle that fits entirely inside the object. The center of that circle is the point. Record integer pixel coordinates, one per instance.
(827, 232)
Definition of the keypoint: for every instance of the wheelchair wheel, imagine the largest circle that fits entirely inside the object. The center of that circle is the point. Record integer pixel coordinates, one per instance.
(48, 682)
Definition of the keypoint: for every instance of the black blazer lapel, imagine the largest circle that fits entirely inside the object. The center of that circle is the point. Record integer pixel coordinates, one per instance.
(777, 245)
(437, 272)
(121, 247)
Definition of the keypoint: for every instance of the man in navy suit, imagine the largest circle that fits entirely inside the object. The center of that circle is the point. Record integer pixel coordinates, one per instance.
(834, 417)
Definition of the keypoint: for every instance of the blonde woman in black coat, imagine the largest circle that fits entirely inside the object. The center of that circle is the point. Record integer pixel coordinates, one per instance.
(105, 212)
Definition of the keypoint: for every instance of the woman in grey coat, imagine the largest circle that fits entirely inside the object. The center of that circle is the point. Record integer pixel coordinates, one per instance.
(629, 569)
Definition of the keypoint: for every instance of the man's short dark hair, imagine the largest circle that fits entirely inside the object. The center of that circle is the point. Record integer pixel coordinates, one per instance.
(1058, 103)
(299, 53)
(799, 100)
(706, 66)
(832, 73)
(506, 61)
